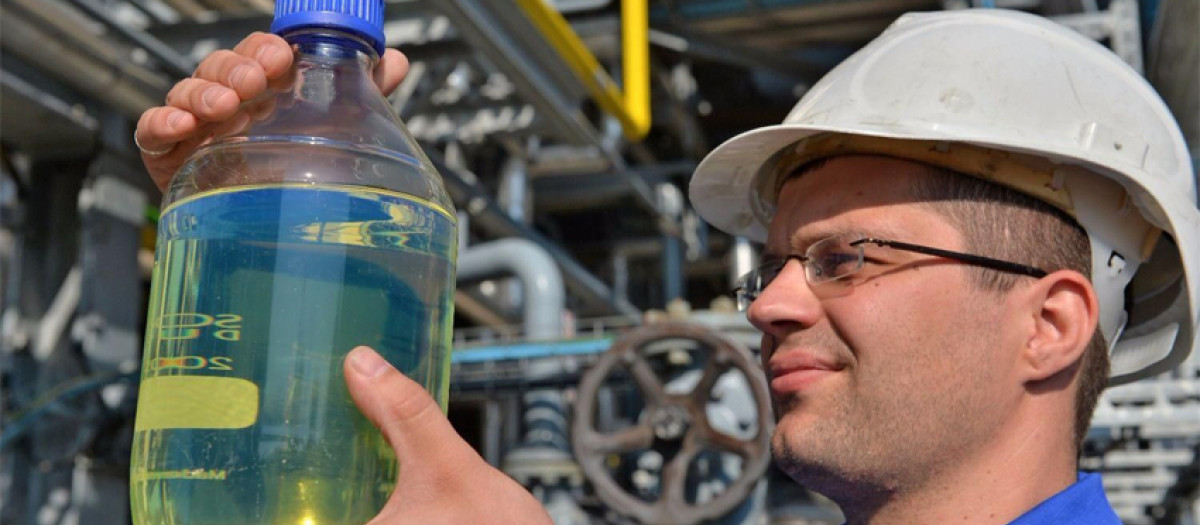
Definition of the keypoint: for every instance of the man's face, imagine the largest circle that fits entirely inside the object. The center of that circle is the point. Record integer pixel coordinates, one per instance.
(904, 369)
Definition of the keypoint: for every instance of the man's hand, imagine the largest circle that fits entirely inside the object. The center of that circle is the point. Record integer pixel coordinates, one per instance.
(214, 95)
(442, 479)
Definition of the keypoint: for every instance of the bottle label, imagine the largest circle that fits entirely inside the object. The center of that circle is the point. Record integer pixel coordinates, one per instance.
(187, 401)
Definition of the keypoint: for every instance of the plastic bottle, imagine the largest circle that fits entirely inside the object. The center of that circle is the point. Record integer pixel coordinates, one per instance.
(319, 227)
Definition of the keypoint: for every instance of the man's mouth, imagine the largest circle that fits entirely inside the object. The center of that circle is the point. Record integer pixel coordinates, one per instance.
(794, 372)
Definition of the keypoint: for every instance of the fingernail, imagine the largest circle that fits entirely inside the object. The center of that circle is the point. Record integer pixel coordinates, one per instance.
(174, 119)
(238, 74)
(267, 55)
(367, 362)
(211, 95)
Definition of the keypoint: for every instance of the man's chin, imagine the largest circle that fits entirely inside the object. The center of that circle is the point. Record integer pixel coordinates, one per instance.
(800, 450)
(808, 471)
(795, 419)
(793, 452)
(825, 475)
(836, 470)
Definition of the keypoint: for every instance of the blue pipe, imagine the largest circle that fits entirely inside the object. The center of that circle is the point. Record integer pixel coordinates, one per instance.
(531, 350)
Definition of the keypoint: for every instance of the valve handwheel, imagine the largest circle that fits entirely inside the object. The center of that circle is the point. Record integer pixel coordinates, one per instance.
(671, 420)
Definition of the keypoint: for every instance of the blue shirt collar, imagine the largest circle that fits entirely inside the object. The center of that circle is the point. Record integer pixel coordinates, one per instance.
(1083, 502)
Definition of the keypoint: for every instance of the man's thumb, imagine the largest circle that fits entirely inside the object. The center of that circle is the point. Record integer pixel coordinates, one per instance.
(408, 417)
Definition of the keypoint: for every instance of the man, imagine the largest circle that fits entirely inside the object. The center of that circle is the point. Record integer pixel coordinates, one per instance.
(915, 385)
(952, 219)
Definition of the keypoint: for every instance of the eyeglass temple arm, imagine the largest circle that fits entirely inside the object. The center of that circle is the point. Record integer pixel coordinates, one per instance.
(978, 260)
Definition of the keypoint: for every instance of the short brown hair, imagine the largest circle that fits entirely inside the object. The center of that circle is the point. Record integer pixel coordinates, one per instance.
(1006, 224)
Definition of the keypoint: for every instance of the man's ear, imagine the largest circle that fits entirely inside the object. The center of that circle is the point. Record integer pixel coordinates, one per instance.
(1065, 311)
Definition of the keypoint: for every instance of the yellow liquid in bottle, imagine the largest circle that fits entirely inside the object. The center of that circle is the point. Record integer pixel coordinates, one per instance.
(258, 294)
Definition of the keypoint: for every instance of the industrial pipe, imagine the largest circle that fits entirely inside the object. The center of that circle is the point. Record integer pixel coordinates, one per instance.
(515, 197)
(635, 63)
(632, 108)
(173, 62)
(469, 195)
(75, 29)
(742, 259)
(119, 84)
(188, 8)
(484, 34)
(541, 280)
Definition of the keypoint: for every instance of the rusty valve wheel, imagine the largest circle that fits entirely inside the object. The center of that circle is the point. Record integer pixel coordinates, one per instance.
(671, 419)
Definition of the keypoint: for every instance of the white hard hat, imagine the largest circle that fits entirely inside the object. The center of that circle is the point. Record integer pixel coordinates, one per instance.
(1024, 102)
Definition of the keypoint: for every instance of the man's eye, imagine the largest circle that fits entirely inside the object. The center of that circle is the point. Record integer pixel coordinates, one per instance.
(840, 258)
(836, 263)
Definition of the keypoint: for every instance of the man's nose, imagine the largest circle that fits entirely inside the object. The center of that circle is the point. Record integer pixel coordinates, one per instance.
(786, 304)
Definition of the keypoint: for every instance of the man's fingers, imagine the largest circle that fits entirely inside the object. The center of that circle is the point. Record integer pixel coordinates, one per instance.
(207, 100)
(408, 417)
(442, 479)
(270, 51)
(393, 65)
(160, 132)
(167, 136)
(161, 127)
(222, 81)
(240, 73)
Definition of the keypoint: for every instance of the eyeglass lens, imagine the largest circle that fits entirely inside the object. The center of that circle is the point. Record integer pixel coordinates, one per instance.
(826, 260)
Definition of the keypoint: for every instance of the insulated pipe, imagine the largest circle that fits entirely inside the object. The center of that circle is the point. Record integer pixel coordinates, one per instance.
(514, 189)
(514, 197)
(742, 259)
(671, 202)
(112, 83)
(77, 31)
(540, 278)
(54, 323)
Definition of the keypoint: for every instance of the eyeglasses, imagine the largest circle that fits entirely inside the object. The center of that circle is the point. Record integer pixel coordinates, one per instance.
(836, 258)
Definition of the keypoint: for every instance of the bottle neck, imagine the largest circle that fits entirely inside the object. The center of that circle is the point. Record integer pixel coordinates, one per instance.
(324, 43)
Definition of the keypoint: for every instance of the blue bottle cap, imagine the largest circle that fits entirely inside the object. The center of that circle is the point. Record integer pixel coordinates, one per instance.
(361, 17)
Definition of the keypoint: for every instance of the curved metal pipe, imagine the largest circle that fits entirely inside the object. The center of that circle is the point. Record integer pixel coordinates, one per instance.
(541, 280)
(127, 87)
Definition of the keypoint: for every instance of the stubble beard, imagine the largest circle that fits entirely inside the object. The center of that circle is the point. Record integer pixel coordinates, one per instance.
(840, 456)
(863, 450)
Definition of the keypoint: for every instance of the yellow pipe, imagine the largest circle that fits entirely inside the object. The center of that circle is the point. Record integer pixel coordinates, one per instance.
(635, 50)
(632, 108)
